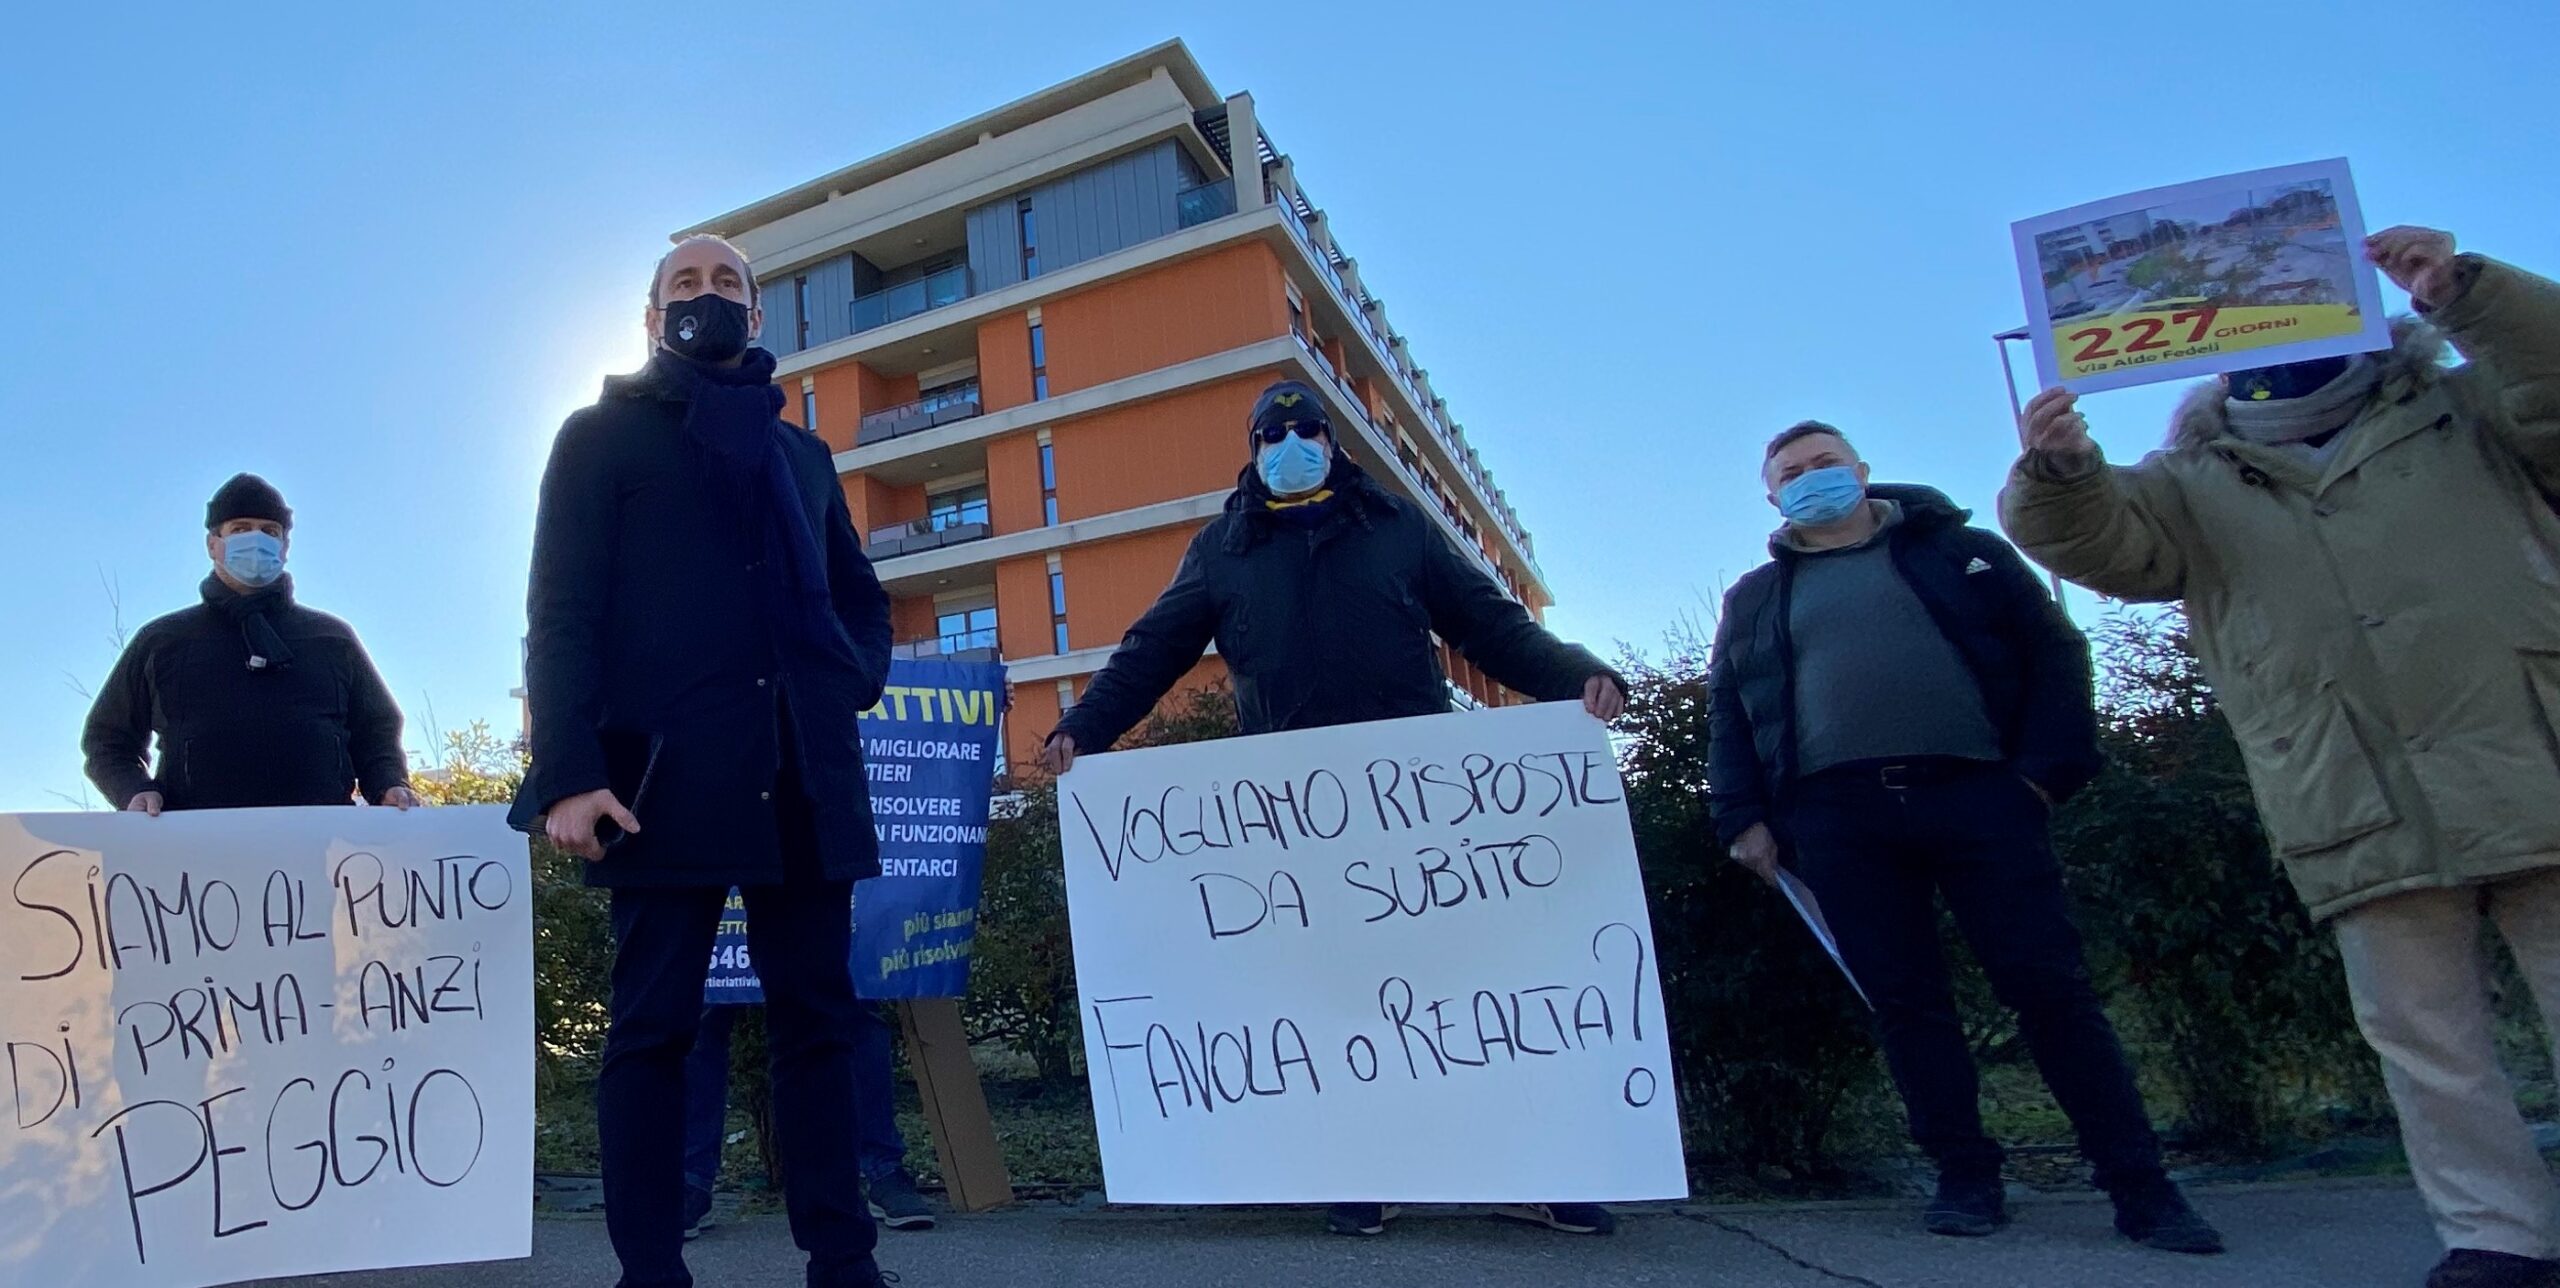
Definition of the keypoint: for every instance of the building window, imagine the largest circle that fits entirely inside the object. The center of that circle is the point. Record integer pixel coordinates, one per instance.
(960, 393)
(1049, 484)
(953, 509)
(1039, 362)
(809, 410)
(962, 630)
(800, 298)
(1030, 238)
(1298, 323)
(1058, 608)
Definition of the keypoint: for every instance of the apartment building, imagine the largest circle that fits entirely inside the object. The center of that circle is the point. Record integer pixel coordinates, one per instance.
(1032, 339)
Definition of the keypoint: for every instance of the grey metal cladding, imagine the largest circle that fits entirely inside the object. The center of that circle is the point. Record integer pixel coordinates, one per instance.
(1085, 215)
(995, 245)
(830, 299)
(781, 299)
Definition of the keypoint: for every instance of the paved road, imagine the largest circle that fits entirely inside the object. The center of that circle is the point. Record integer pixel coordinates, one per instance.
(2336, 1235)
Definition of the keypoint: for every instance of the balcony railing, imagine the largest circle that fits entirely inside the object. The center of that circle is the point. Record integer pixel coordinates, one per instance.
(930, 533)
(1435, 417)
(907, 299)
(939, 408)
(1206, 202)
(973, 646)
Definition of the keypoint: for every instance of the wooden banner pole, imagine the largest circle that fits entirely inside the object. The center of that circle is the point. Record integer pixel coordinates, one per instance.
(955, 1104)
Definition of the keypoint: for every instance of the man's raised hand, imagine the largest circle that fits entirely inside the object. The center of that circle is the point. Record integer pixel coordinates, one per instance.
(2057, 430)
(2417, 260)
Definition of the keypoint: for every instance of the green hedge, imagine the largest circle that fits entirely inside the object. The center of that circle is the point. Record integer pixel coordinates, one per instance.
(2229, 997)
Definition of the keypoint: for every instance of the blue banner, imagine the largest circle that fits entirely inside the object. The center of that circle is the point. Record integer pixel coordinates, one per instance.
(930, 749)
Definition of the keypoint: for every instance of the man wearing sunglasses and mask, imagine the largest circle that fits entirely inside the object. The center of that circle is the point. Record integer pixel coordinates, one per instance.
(2370, 565)
(1323, 591)
(704, 631)
(254, 699)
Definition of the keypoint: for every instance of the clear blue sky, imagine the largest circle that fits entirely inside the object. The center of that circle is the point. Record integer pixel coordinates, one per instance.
(378, 257)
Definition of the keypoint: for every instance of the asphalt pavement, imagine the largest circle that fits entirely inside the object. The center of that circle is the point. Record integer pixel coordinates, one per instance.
(2328, 1235)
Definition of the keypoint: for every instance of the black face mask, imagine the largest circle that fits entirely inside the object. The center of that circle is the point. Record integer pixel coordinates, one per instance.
(706, 328)
(2292, 380)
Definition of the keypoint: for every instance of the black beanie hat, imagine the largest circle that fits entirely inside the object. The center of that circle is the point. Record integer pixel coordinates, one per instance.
(1287, 403)
(2291, 380)
(247, 496)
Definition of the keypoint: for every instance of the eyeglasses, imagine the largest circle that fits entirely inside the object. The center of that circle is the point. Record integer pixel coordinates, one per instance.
(1272, 433)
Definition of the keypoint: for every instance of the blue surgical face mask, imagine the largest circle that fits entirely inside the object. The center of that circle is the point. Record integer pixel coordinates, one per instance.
(1294, 466)
(253, 558)
(1817, 498)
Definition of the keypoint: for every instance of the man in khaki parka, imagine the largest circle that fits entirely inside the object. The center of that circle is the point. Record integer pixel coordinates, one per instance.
(2370, 561)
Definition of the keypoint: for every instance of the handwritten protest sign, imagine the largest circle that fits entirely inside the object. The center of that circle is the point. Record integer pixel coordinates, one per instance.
(1406, 961)
(253, 1043)
(929, 748)
(2248, 270)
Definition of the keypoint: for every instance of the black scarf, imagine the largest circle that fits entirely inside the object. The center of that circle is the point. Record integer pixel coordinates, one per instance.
(1306, 512)
(734, 427)
(249, 610)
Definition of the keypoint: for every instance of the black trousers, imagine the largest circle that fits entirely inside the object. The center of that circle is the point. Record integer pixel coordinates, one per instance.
(1878, 847)
(800, 934)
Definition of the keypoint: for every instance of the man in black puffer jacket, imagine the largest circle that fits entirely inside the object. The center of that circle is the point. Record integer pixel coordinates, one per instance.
(1896, 706)
(1322, 591)
(254, 699)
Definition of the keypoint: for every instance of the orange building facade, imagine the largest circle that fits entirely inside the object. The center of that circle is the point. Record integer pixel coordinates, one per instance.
(1032, 340)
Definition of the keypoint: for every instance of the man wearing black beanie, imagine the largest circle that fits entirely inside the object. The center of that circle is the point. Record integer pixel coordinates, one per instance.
(253, 699)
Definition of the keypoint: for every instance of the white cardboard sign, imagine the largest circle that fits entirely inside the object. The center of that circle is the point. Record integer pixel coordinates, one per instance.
(243, 1044)
(1403, 962)
(2247, 270)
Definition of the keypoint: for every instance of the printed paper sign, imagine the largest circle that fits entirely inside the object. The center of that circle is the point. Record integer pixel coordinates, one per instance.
(930, 751)
(1400, 962)
(244, 1044)
(2248, 270)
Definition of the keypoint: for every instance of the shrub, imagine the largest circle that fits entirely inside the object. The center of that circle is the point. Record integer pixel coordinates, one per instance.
(2193, 928)
(1022, 978)
(1022, 975)
(572, 945)
(1769, 1045)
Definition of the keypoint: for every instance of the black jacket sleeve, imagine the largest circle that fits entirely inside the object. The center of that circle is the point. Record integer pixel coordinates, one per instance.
(116, 743)
(1737, 783)
(1158, 650)
(565, 611)
(1470, 610)
(373, 728)
(2055, 745)
(860, 602)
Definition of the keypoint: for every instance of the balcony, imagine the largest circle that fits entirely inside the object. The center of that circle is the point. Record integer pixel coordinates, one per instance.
(1204, 203)
(930, 533)
(1325, 259)
(907, 299)
(939, 408)
(971, 646)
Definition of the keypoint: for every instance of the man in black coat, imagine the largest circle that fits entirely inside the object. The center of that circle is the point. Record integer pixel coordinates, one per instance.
(1896, 706)
(1322, 591)
(254, 699)
(705, 631)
